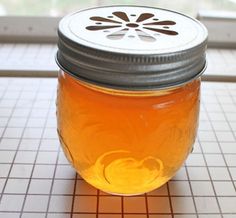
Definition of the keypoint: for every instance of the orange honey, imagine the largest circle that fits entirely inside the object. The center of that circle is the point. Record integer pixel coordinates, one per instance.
(126, 142)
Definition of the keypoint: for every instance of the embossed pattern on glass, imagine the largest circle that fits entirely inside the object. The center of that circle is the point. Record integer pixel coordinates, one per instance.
(126, 144)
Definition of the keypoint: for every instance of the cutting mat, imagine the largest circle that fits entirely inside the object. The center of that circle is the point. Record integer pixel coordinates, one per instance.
(36, 181)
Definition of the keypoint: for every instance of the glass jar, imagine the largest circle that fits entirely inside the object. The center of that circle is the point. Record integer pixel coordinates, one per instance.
(128, 94)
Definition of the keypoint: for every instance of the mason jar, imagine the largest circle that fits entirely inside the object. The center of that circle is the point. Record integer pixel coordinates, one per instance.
(129, 94)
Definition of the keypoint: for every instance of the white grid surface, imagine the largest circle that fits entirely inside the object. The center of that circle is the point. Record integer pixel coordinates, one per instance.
(38, 60)
(36, 180)
(29, 59)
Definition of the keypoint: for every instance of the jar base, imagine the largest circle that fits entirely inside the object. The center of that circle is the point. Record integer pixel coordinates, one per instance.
(123, 195)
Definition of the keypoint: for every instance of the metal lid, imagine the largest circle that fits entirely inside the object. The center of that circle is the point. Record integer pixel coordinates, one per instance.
(132, 47)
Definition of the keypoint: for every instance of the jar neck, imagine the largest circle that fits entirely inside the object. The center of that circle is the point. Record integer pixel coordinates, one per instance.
(132, 93)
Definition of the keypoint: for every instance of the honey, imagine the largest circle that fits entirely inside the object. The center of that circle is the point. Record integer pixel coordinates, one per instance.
(126, 144)
(129, 94)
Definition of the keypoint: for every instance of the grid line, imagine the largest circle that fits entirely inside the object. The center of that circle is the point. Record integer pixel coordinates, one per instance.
(122, 206)
(146, 204)
(211, 182)
(74, 193)
(169, 197)
(54, 173)
(234, 184)
(37, 151)
(221, 153)
(191, 190)
(15, 151)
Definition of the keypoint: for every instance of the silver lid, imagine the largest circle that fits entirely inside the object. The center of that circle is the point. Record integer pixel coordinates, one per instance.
(132, 47)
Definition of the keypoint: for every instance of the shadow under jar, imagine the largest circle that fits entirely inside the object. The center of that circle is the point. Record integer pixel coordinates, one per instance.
(129, 94)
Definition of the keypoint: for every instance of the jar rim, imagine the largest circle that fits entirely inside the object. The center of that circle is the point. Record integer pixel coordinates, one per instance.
(112, 88)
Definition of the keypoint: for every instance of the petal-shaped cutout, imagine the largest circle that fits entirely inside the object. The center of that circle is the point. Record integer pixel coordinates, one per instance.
(145, 36)
(118, 34)
(121, 15)
(94, 28)
(144, 16)
(166, 22)
(103, 19)
(167, 32)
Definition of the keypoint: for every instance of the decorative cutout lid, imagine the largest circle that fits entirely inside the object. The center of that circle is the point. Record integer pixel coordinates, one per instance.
(132, 47)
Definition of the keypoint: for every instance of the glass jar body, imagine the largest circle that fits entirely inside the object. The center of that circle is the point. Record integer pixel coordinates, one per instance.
(126, 143)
